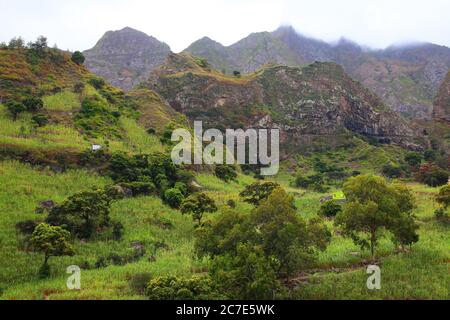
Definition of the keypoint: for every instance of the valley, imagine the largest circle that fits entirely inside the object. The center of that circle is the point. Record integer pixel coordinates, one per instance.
(85, 159)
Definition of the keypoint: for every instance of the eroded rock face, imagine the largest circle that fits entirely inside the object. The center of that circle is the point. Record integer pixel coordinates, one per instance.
(406, 78)
(441, 109)
(126, 57)
(317, 103)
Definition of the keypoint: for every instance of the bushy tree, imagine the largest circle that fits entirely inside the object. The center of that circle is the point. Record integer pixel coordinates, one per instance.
(78, 57)
(40, 120)
(33, 104)
(83, 213)
(443, 197)
(173, 197)
(16, 43)
(226, 173)
(15, 108)
(52, 241)
(258, 192)
(178, 288)
(432, 175)
(274, 227)
(374, 206)
(197, 205)
(392, 170)
(39, 45)
(247, 274)
(414, 159)
(330, 209)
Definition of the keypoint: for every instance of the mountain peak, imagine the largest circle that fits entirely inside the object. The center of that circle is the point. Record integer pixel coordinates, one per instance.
(126, 57)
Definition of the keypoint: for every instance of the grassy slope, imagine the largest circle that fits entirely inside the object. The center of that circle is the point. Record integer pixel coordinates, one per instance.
(23, 186)
(421, 273)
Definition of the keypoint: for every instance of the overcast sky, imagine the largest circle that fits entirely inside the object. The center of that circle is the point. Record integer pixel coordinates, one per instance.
(78, 24)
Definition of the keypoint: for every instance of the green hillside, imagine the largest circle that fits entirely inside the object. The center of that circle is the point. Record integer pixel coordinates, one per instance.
(46, 154)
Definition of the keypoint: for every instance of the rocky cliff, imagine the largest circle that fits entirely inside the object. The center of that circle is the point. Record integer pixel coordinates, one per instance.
(315, 104)
(126, 57)
(406, 78)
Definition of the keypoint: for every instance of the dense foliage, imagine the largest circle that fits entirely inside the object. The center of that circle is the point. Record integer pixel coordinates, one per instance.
(374, 206)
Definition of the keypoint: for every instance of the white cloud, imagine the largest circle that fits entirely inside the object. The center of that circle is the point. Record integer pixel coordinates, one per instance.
(78, 24)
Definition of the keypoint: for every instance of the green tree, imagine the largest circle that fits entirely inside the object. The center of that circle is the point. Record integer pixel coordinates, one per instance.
(173, 197)
(78, 57)
(258, 192)
(16, 43)
(226, 173)
(198, 204)
(15, 108)
(82, 213)
(330, 209)
(274, 227)
(248, 274)
(374, 206)
(39, 45)
(40, 120)
(443, 197)
(414, 159)
(33, 104)
(52, 242)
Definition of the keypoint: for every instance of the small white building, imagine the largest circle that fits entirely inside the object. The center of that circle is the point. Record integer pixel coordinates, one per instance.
(96, 147)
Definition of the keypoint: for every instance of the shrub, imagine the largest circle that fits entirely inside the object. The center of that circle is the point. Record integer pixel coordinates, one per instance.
(40, 120)
(26, 227)
(414, 159)
(314, 182)
(391, 170)
(78, 57)
(177, 288)
(432, 175)
(330, 209)
(443, 197)
(258, 192)
(225, 172)
(248, 274)
(15, 108)
(97, 83)
(173, 197)
(33, 104)
(140, 188)
(441, 214)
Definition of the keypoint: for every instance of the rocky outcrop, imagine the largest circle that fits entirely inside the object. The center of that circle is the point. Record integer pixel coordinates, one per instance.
(406, 78)
(313, 104)
(126, 57)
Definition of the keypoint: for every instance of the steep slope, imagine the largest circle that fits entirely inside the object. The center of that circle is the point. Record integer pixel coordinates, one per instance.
(441, 109)
(406, 78)
(316, 104)
(126, 57)
(79, 109)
